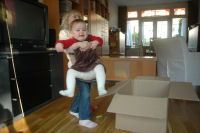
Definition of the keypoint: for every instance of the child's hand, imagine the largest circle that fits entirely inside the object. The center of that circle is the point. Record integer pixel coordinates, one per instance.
(85, 45)
(59, 47)
(94, 44)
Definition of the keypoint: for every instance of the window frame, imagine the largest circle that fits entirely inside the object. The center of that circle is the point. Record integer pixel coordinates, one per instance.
(158, 18)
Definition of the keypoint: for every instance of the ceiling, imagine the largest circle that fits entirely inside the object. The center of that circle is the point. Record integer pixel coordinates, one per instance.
(144, 2)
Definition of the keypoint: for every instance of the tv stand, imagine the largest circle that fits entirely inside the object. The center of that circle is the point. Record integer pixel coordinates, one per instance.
(39, 76)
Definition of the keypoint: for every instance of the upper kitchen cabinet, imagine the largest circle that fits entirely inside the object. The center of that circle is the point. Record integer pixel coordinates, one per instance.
(66, 5)
(98, 16)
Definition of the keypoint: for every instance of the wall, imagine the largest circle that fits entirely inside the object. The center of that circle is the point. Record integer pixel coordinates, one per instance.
(159, 6)
(113, 17)
(53, 14)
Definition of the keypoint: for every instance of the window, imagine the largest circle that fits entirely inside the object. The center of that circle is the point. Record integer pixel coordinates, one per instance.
(163, 12)
(162, 27)
(147, 33)
(150, 13)
(132, 14)
(179, 11)
(155, 23)
(132, 33)
(179, 27)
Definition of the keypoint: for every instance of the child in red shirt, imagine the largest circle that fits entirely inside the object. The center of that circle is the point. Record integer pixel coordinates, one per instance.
(88, 65)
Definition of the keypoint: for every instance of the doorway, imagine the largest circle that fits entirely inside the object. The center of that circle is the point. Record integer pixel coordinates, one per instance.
(154, 29)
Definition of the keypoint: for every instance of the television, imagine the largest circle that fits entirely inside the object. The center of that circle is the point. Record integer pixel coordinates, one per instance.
(29, 27)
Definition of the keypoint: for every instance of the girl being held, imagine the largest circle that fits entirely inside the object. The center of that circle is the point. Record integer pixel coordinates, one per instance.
(81, 107)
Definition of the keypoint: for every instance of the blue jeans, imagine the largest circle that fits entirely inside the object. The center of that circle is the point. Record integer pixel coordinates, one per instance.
(81, 103)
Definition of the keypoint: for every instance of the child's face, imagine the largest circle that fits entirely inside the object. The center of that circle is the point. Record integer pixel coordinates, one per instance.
(79, 31)
(73, 17)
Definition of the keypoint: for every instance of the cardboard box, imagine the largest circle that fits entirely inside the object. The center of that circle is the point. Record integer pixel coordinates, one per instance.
(141, 104)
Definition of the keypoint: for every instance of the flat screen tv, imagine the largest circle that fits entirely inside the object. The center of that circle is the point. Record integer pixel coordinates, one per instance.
(29, 28)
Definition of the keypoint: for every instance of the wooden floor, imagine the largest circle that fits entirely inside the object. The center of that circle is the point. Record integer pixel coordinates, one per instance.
(183, 117)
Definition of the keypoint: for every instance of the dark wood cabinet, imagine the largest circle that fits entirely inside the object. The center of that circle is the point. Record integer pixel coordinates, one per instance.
(33, 76)
(193, 12)
(122, 18)
(56, 73)
(5, 92)
(39, 77)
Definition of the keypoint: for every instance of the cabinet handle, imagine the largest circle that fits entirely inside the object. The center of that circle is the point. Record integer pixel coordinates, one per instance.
(14, 99)
(8, 57)
(12, 78)
(51, 54)
(51, 85)
(50, 70)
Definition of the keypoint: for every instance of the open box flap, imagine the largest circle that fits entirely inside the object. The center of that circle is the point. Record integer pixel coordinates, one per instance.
(139, 106)
(152, 78)
(182, 90)
(119, 85)
(114, 89)
(151, 86)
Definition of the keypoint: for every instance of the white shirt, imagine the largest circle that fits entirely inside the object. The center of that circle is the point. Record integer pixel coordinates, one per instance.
(63, 35)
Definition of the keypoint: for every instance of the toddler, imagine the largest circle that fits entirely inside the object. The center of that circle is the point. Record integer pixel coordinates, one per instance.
(81, 106)
(87, 65)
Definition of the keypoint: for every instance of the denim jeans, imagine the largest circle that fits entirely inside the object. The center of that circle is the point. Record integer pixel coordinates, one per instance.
(81, 103)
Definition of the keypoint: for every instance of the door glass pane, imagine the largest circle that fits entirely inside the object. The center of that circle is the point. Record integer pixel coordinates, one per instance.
(162, 29)
(132, 33)
(179, 27)
(147, 33)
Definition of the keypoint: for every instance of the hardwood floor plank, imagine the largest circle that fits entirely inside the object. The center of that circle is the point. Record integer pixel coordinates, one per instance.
(183, 117)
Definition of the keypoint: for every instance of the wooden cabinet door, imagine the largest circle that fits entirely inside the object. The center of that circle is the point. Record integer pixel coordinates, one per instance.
(98, 26)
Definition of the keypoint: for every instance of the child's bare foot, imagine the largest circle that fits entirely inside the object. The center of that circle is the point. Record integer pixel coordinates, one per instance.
(66, 93)
(102, 92)
(87, 123)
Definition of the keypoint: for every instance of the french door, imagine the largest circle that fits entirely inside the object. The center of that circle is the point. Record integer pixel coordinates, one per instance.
(154, 29)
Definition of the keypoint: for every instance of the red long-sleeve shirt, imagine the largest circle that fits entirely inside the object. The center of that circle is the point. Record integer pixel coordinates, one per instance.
(85, 60)
(69, 42)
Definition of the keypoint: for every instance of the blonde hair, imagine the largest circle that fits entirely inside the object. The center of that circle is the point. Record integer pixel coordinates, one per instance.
(77, 21)
(64, 24)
